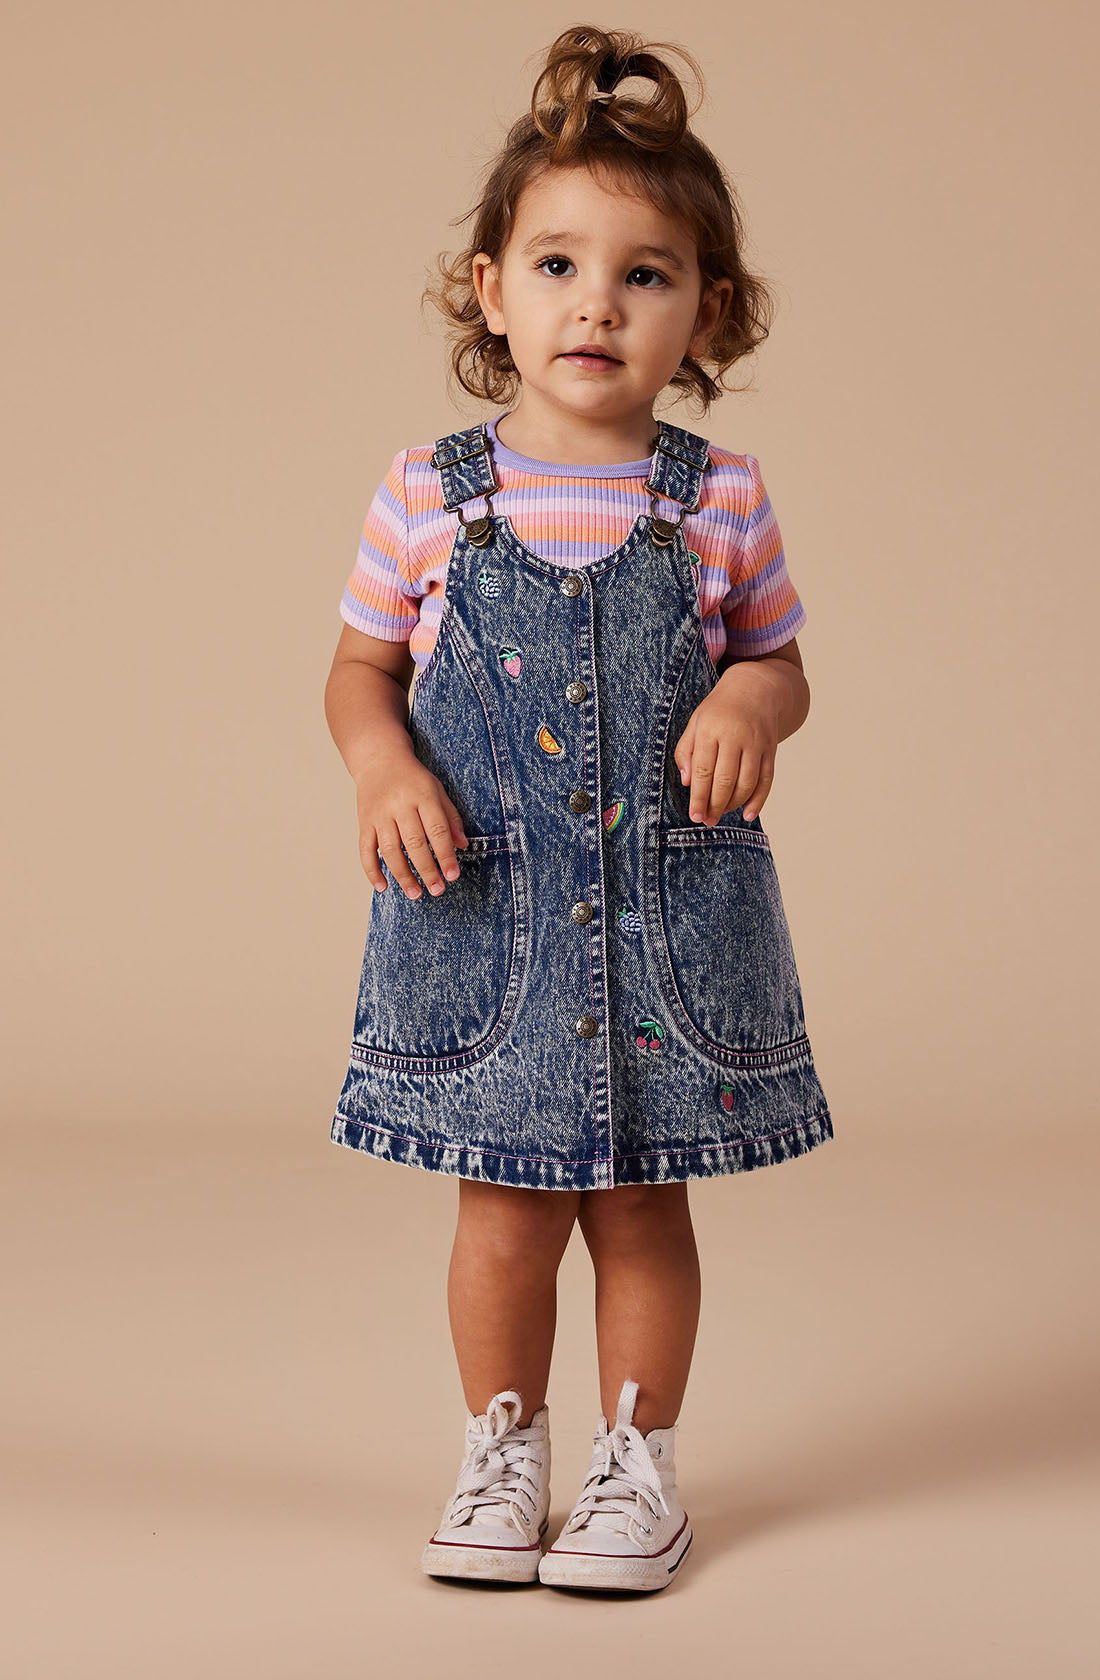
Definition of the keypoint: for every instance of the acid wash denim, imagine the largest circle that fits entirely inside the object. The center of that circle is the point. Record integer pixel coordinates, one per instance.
(607, 994)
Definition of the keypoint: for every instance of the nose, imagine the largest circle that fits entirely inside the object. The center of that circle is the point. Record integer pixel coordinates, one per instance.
(605, 314)
(599, 305)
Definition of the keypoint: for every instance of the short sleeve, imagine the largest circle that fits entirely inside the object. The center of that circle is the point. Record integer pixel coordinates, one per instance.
(762, 609)
(378, 597)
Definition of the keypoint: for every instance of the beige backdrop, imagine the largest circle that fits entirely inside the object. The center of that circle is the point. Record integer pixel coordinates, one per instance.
(231, 1407)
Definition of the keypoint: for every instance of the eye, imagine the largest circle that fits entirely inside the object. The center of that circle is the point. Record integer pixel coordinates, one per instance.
(654, 273)
(544, 260)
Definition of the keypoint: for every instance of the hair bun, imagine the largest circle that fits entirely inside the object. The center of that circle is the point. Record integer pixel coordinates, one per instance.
(584, 68)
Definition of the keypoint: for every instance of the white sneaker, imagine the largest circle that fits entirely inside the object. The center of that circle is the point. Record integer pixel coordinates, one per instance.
(628, 1529)
(493, 1523)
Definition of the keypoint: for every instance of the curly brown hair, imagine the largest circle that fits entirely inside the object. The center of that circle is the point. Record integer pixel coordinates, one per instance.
(648, 150)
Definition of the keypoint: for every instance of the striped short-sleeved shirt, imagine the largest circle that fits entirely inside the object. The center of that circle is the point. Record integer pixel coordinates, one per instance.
(570, 515)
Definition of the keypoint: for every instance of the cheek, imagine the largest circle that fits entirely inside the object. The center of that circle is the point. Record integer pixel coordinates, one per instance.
(524, 306)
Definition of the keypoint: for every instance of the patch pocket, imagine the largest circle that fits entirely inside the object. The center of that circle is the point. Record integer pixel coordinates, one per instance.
(724, 947)
(437, 970)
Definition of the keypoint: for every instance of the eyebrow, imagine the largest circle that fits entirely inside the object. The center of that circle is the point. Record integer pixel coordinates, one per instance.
(663, 252)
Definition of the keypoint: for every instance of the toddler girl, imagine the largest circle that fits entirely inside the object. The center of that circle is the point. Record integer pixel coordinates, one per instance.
(578, 991)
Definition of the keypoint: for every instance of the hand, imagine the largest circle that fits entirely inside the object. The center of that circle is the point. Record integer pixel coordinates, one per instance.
(400, 801)
(727, 751)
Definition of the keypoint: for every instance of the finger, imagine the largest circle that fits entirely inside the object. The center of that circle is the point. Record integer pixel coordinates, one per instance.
(440, 837)
(746, 779)
(423, 858)
(368, 857)
(702, 775)
(454, 819)
(727, 771)
(682, 754)
(762, 789)
(398, 863)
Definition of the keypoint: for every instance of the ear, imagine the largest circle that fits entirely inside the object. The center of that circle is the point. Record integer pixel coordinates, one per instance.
(716, 301)
(486, 278)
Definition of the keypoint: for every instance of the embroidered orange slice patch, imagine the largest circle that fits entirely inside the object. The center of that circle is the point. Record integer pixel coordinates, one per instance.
(547, 742)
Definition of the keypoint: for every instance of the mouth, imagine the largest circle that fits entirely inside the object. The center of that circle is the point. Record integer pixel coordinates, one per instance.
(590, 356)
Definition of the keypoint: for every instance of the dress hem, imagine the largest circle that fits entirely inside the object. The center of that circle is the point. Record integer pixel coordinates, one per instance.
(658, 1166)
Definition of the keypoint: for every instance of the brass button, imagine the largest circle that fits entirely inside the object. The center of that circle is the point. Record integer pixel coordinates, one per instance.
(587, 1026)
(582, 912)
(576, 690)
(572, 585)
(580, 801)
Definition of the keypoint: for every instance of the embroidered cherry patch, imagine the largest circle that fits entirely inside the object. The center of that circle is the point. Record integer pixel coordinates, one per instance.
(648, 1035)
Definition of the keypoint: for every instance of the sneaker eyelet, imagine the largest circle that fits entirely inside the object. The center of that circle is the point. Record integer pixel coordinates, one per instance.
(645, 1528)
(657, 1452)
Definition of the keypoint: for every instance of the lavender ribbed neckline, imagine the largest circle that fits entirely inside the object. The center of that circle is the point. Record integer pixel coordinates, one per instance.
(562, 469)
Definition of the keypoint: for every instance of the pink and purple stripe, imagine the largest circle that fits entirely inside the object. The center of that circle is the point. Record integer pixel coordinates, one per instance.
(570, 515)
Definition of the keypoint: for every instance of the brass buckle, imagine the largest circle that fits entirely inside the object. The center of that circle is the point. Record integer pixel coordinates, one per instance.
(664, 530)
(479, 530)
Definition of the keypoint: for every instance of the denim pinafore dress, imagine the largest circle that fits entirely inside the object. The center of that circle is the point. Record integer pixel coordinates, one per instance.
(607, 994)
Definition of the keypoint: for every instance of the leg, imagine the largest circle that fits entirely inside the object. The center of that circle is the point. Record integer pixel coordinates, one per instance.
(642, 1244)
(502, 1288)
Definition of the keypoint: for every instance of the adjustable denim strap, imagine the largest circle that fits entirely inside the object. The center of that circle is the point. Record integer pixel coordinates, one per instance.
(465, 465)
(680, 461)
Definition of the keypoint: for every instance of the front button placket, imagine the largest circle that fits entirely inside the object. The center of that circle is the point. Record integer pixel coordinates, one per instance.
(585, 729)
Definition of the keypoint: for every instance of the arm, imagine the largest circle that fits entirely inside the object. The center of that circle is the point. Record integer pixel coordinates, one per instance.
(778, 674)
(367, 698)
(400, 803)
(761, 598)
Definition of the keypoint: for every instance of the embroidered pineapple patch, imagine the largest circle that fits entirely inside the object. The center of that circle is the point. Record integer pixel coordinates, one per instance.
(547, 742)
(489, 583)
(512, 661)
(649, 1035)
(629, 919)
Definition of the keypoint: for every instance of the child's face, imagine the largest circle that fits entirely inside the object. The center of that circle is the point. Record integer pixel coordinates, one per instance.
(609, 287)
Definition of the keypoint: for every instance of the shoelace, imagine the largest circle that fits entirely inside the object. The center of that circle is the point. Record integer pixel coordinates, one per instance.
(635, 1486)
(495, 1471)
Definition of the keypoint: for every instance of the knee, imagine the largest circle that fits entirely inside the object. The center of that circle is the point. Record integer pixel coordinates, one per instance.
(516, 1225)
(632, 1214)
